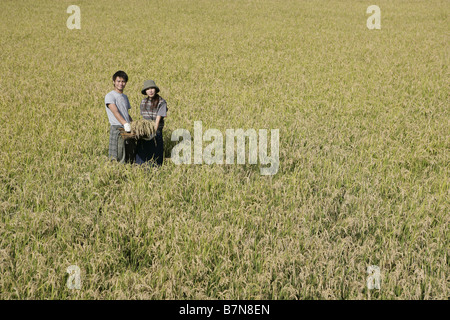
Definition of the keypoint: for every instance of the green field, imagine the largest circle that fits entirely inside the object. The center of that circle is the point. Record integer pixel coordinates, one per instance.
(364, 126)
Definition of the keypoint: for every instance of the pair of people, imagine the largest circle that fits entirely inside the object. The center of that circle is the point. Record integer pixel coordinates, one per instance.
(153, 107)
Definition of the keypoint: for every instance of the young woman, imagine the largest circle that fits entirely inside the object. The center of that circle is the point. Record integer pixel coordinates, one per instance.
(153, 108)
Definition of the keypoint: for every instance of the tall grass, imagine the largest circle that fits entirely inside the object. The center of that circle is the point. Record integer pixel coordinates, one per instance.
(364, 151)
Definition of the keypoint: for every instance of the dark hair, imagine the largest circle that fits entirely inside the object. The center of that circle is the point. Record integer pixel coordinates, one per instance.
(154, 101)
(120, 74)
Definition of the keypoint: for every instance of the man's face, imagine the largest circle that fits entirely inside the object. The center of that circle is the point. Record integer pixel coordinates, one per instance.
(151, 92)
(119, 84)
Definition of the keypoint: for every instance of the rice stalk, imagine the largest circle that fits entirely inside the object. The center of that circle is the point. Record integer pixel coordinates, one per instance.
(143, 128)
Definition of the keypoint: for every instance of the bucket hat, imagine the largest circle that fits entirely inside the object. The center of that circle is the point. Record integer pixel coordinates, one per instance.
(149, 84)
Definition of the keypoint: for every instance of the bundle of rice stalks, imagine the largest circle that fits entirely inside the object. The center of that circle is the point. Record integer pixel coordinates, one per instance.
(143, 128)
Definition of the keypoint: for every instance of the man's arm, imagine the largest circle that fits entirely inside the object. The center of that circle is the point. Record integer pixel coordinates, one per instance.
(116, 113)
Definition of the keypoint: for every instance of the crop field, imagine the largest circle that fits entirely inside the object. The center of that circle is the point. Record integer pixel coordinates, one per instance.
(363, 178)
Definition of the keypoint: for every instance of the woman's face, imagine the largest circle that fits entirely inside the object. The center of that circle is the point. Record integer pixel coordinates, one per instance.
(151, 92)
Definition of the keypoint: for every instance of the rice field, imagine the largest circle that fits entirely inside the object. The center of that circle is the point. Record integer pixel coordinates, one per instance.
(363, 179)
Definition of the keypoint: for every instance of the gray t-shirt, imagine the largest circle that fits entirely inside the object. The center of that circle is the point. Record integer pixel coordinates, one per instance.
(122, 103)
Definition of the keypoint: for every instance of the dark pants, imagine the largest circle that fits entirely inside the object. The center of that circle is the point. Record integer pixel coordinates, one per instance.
(150, 149)
(120, 149)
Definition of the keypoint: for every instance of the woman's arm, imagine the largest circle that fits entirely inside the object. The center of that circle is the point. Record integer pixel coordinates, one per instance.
(162, 112)
(158, 118)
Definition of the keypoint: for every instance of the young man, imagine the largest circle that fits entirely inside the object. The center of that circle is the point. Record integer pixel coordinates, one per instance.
(117, 106)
